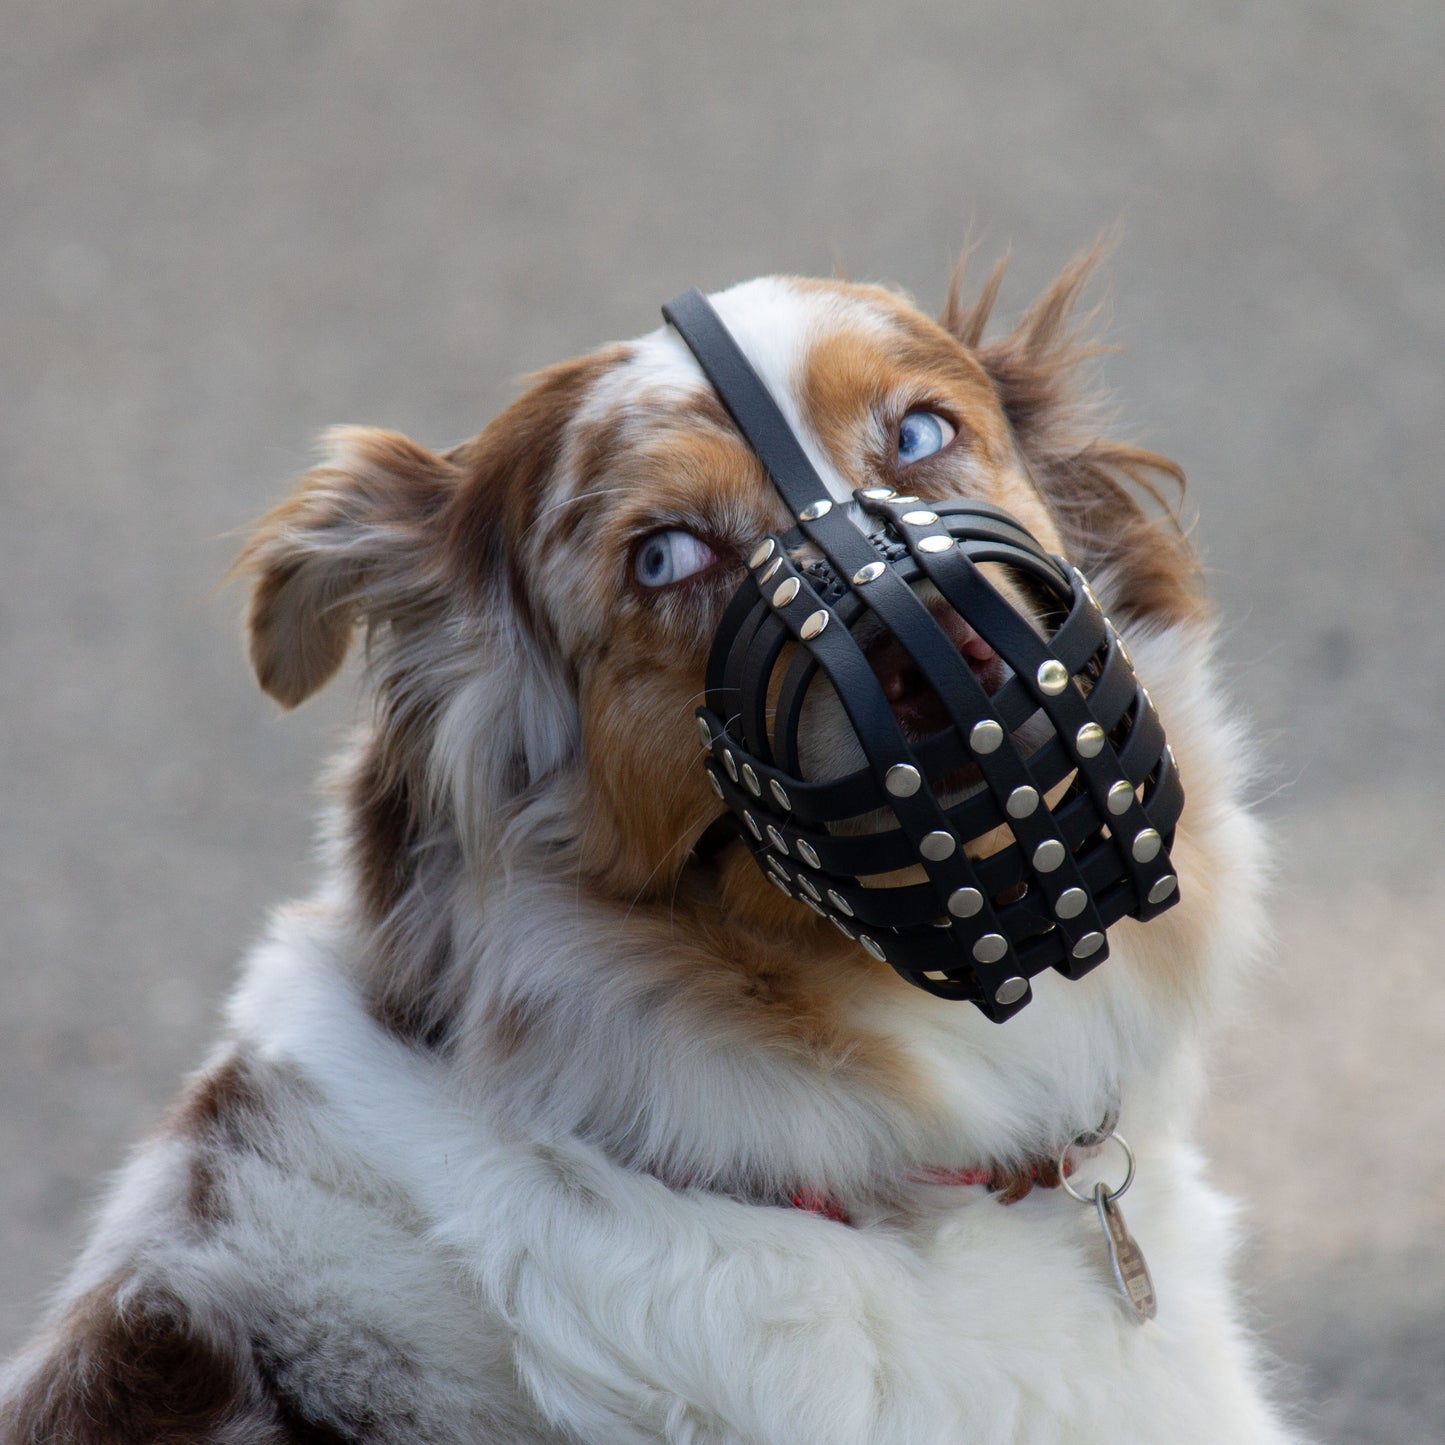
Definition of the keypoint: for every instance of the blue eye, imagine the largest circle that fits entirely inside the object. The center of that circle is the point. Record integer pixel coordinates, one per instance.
(921, 434)
(671, 556)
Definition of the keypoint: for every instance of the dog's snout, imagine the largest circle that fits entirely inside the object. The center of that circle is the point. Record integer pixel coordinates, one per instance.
(915, 703)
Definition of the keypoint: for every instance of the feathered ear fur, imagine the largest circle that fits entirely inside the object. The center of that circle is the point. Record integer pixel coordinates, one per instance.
(1111, 498)
(351, 544)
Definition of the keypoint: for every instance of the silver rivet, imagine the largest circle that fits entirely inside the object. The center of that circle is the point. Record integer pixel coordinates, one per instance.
(814, 510)
(902, 780)
(990, 948)
(813, 624)
(878, 494)
(1088, 945)
(762, 553)
(786, 592)
(813, 906)
(839, 902)
(704, 732)
(920, 519)
(842, 927)
(1022, 801)
(807, 853)
(769, 572)
(1121, 795)
(1053, 677)
(731, 764)
(717, 787)
(1163, 888)
(937, 845)
(810, 890)
(1169, 753)
(777, 840)
(1072, 902)
(750, 781)
(1048, 855)
(1011, 990)
(752, 823)
(779, 884)
(1089, 740)
(904, 501)
(1146, 845)
(780, 795)
(873, 947)
(965, 902)
(868, 572)
(934, 544)
(1124, 649)
(778, 867)
(985, 737)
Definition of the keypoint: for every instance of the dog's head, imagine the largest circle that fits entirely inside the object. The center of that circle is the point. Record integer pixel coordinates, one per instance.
(539, 601)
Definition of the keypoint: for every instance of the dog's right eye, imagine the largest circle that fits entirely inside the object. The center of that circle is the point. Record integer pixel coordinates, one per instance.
(671, 556)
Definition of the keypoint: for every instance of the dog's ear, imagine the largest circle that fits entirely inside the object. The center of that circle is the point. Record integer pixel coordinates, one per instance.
(1115, 502)
(355, 542)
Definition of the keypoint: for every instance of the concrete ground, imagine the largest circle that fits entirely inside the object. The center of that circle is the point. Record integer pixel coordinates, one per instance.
(228, 226)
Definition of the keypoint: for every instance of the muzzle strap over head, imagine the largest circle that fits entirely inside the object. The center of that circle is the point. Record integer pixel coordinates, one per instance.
(1064, 769)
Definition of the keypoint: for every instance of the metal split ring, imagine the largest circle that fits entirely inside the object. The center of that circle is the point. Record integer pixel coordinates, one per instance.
(1109, 1195)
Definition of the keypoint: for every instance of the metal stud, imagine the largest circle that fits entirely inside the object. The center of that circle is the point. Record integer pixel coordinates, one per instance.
(1163, 888)
(805, 899)
(1072, 902)
(1048, 855)
(762, 553)
(781, 795)
(985, 737)
(965, 902)
(779, 884)
(813, 624)
(841, 927)
(839, 902)
(920, 519)
(904, 501)
(731, 764)
(935, 544)
(1088, 945)
(1022, 801)
(704, 732)
(1011, 990)
(777, 840)
(778, 867)
(1053, 677)
(1089, 740)
(808, 887)
(752, 823)
(873, 947)
(878, 494)
(990, 948)
(750, 781)
(902, 780)
(1169, 754)
(937, 846)
(786, 592)
(1121, 795)
(869, 572)
(717, 787)
(1146, 845)
(807, 853)
(814, 510)
(769, 572)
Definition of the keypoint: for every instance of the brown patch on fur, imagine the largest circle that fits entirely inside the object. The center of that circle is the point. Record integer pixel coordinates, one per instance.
(1094, 485)
(345, 545)
(130, 1366)
(384, 828)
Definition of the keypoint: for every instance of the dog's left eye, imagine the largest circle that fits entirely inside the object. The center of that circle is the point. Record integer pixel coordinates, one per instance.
(921, 434)
(671, 556)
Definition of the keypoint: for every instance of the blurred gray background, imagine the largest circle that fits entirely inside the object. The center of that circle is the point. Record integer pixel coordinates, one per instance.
(226, 226)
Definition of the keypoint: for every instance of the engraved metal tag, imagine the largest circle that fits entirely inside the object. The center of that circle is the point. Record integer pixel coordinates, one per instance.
(1126, 1259)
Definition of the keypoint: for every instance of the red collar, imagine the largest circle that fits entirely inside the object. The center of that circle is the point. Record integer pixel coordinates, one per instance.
(1010, 1184)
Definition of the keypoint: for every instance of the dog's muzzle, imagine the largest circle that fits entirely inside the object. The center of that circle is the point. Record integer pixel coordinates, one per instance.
(1061, 766)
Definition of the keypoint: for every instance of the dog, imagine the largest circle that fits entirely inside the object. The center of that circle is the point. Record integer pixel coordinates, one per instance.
(539, 1123)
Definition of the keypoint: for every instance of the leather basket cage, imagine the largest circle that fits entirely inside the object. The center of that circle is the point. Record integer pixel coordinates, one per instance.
(1064, 769)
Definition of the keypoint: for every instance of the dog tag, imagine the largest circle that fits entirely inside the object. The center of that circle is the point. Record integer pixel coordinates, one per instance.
(1126, 1259)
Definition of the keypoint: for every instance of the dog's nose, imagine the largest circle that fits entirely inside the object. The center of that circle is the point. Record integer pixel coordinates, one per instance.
(915, 703)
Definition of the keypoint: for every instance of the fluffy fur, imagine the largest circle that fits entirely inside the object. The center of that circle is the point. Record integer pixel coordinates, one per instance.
(501, 1139)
